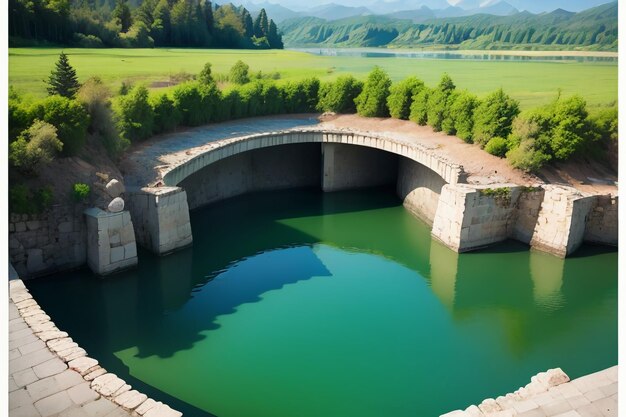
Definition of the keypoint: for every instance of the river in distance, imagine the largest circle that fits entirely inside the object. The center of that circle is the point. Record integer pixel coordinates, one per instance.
(301, 303)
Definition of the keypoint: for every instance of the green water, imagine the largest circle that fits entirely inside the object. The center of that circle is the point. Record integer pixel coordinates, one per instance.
(301, 303)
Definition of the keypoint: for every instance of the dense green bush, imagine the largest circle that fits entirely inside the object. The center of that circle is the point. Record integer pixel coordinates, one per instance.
(166, 116)
(494, 117)
(419, 107)
(372, 102)
(69, 117)
(138, 36)
(206, 76)
(239, 73)
(401, 97)
(461, 114)
(96, 98)
(80, 192)
(135, 115)
(21, 115)
(232, 106)
(36, 146)
(438, 102)
(497, 146)
(301, 96)
(252, 96)
(338, 96)
(563, 127)
(188, 101)
(273, 102)
(522, 143)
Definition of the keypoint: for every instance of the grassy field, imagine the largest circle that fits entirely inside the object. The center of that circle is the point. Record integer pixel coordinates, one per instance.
(533, 83)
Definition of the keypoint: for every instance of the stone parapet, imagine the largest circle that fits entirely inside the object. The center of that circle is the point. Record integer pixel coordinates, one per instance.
(111, 242)
(161, 218)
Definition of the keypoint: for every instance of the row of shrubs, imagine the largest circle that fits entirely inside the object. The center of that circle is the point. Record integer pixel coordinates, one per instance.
(553, 132)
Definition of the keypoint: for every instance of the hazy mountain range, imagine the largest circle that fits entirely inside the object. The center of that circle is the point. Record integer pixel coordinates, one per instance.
(594, 28)
(417, 10)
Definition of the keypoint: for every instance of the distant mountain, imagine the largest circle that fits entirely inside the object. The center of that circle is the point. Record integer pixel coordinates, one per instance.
(595, 28)
(333, 11)
(276, 11)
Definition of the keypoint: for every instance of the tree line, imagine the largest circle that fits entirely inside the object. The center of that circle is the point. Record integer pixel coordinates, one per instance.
(60, 124)
(102, 23)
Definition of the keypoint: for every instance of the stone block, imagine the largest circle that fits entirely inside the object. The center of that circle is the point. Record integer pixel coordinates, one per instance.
(114, 188)
(34, 260)
(116, 205)
(49, 368)
(82, 393)
(117, 254)
(33, 225)
(130, 399)
(130, 250)
(53, 404)
(83, 365)
(20, 227)
(127, 234)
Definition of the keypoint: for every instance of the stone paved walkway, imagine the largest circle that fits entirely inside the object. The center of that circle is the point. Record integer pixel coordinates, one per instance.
(51, 376)
(552, 394)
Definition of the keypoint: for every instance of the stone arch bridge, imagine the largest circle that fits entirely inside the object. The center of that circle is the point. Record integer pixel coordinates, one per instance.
(464, 217)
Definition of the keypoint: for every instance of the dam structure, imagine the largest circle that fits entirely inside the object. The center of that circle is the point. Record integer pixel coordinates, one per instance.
(552, 218)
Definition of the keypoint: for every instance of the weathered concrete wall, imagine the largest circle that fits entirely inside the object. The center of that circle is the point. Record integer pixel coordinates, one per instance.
(602, 223)
(110, 241)
(561, 222)
(276, 168)
(528, 207)
(470, 217)
(419, 188)
(49, 242)
(161, 218)
(348, 167)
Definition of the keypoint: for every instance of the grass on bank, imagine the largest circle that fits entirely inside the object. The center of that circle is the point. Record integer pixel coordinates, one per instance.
(532, 83)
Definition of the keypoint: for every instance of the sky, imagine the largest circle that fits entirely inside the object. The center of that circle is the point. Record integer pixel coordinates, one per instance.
(535, 6)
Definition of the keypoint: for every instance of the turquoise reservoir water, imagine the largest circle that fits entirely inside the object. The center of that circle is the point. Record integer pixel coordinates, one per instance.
(300, 303)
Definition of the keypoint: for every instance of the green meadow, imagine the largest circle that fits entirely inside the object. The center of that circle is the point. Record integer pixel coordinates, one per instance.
(532, 83)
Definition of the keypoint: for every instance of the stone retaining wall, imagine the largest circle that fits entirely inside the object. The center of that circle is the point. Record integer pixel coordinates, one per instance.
(419, 188)
(602, 223)
(48, 242)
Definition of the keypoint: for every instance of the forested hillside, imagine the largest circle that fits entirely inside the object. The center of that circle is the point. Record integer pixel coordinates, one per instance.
(143, 24)
(595, 28)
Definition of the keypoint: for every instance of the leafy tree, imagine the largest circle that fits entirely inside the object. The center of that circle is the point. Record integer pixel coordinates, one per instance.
(35, 147)
(338, 96)
(121, 14)
(135, 115)
(461, 113)
(63, 80)
(138, 36)
(438, 102)
(419, 107)
(401, 97)
(69, 117)
(372, 102)
(239, 73)
(524, 152)
(494, 116)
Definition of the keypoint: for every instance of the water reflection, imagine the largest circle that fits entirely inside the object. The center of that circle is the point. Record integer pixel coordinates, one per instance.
(446, 55)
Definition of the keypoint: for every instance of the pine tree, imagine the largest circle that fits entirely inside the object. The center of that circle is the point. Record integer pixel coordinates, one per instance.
(261, 25)
(63, 79)
(122, 16)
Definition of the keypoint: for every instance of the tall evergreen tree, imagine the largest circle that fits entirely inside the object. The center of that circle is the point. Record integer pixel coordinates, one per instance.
(273, 38)
(62, 80)
(122, 16)
(208, 15)
(248, 26)
(261, 25)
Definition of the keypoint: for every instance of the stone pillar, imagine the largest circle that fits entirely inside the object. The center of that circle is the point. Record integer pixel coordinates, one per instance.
(161, 218)
(562, 220)
(111, 243)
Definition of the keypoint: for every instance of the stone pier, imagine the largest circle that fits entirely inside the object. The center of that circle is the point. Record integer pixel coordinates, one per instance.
(111, 243)
(161, 217)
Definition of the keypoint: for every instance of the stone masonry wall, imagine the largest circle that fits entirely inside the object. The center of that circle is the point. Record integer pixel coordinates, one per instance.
(602, 223)
(469, 217)
(419, 188)
(48, 242)
(528, 206)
